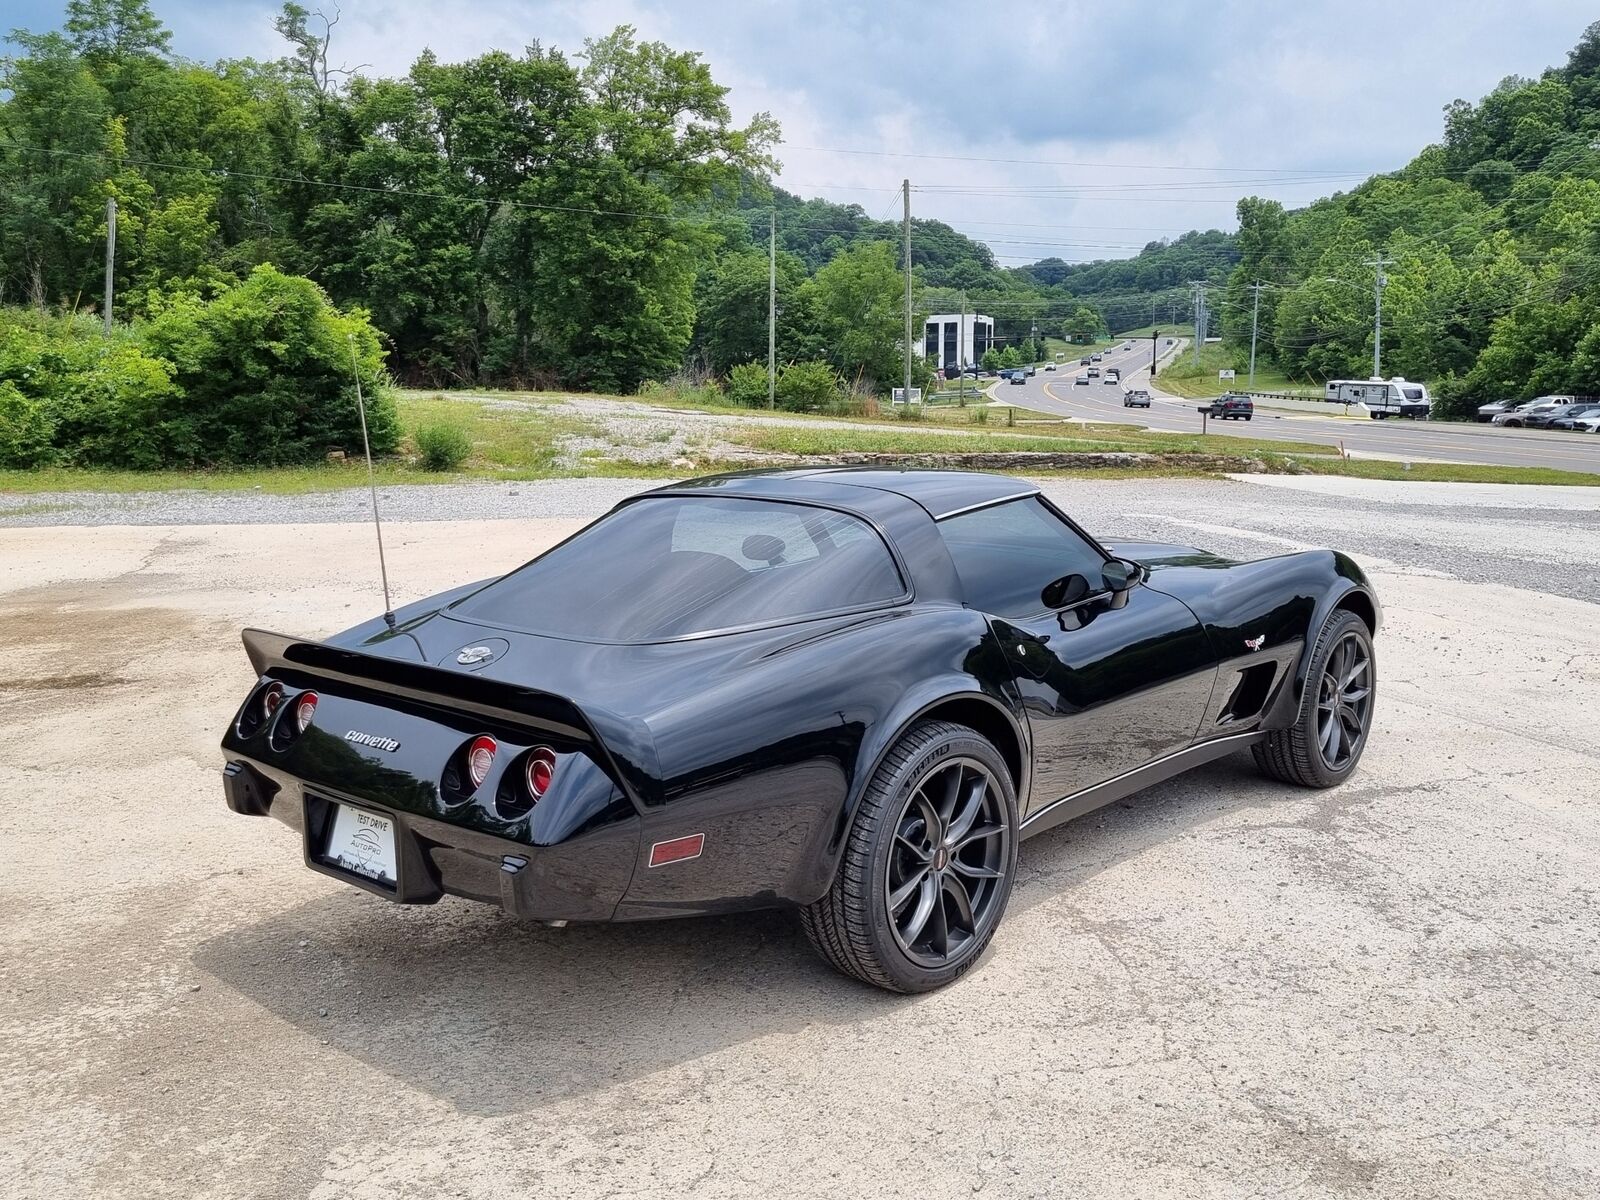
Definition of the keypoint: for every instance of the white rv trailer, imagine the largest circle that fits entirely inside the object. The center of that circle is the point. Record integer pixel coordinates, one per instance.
(1394, 397)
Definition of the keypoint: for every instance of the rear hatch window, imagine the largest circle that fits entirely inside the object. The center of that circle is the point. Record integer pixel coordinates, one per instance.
(672, 566)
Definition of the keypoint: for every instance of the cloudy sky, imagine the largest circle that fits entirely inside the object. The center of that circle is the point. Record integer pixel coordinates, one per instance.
(1071, 129)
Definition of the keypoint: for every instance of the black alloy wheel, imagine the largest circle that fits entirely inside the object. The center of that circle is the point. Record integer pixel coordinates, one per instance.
(1334, 721)
(948, 862)
(927, 865)
(1344, 702)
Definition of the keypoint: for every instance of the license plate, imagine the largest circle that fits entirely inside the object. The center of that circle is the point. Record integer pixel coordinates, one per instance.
(362, 843)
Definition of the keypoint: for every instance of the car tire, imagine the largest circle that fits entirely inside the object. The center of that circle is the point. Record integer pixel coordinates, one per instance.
(857, 927)
(1300, 754)
(1248, 417)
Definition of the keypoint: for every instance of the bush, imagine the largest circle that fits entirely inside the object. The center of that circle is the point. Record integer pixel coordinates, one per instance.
(747, 385)
(25, 429)
(804, 386)
(102, 401)
(442, 446)
(683, 387)
(266, 372)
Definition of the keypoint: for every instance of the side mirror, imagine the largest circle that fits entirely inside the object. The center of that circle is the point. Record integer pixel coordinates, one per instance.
(1118, 576)
(1069, 589)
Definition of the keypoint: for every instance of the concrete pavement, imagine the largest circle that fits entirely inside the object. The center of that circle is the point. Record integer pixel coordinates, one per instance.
(1222, 987)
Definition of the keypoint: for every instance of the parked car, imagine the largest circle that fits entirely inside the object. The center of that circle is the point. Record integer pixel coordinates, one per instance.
(1231, 407)
(645, 721)
(1590, 424)
(1548, 419)
(1488, 412)
(1093, 373)
(1525, 414)
(1136, 399)
(1572, 416)
(1081, 381)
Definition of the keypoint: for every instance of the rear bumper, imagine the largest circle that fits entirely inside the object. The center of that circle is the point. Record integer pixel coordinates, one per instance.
(582, 879)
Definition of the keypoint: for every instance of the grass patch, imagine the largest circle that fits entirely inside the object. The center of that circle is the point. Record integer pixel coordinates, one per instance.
(1181, 377)
(1377, 468)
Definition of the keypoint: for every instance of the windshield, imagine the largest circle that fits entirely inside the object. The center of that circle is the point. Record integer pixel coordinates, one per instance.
(670, 566)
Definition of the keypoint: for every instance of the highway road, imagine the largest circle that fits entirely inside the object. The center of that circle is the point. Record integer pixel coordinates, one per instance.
(1058, 393)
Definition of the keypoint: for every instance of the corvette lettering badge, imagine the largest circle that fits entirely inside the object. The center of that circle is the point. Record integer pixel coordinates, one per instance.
(372, 739)
(1255, 643)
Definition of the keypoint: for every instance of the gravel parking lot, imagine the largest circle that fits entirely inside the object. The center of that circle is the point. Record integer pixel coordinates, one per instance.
(1219, 988)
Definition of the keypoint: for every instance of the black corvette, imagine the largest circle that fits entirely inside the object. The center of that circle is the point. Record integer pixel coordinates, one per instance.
(849, 692)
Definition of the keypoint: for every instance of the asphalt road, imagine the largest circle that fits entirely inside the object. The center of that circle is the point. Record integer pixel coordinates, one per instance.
(1055, 392)
(1222, 987)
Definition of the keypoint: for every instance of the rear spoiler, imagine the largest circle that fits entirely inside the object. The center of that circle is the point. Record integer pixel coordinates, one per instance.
(622, 746)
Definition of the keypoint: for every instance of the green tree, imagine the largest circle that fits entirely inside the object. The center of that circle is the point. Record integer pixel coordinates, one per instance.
(731, 310)
(856, 302)
(1084, 325)
(266, 373)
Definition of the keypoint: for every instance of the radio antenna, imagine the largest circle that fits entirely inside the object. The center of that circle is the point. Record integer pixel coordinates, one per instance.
(372, 482)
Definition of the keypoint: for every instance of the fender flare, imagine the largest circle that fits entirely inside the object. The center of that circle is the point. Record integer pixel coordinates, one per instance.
(912, 707)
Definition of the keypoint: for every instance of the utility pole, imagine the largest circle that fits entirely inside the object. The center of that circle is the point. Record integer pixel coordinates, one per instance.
(905, 192)
(772, 309)
(111, 254)
(1255, 314)
(1379, 282)
(961, 349)
(1199, 319)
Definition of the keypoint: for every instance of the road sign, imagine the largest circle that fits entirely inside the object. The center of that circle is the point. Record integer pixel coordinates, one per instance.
(1224, 375)
(899, 396)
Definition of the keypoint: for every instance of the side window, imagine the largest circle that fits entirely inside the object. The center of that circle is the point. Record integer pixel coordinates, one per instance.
(1005, 554)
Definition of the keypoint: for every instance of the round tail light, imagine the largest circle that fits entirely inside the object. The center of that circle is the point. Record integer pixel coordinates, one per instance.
(305, 709)
(540, 768)
(480, 757)
(270, 699)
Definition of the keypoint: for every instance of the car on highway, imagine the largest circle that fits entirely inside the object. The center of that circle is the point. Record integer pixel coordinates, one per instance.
(1092, 373)
(1138, 398)
(1231, 407)
(1112, 375)
(1096, 357)
(1031, 369)
(1081, 381)
(1019, 376)
(1085, 361)
(645, 721)
(1050, 366)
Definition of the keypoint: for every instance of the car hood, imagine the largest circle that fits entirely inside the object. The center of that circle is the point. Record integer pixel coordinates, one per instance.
(1154, 555)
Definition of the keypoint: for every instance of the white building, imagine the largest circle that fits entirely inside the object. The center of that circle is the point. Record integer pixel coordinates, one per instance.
(951, 341)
